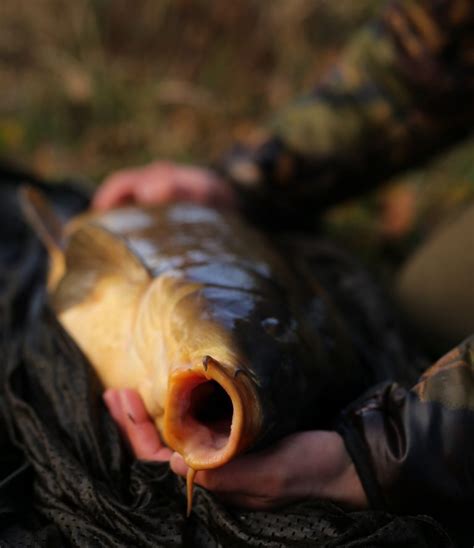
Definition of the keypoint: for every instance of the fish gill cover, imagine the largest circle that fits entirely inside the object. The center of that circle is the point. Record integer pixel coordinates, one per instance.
(67, 478)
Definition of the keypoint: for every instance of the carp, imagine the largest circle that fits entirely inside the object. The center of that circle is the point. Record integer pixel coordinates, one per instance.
(229, 346)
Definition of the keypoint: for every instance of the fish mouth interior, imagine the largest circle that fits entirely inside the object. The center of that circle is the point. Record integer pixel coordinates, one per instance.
(203, 414)
(204, 417)
(210, 409)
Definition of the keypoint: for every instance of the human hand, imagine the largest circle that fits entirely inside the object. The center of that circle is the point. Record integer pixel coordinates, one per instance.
(163, 182)
(305, 465)
(301, 466)
(129, 413)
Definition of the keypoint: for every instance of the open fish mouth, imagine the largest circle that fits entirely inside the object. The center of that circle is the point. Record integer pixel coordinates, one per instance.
(206, 416)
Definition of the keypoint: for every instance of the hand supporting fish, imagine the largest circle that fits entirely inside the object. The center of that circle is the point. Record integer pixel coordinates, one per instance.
(300, 466)
(163, 182)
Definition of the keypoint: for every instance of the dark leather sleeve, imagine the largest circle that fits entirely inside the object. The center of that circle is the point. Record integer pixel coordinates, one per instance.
(401, 91)
(414, 449)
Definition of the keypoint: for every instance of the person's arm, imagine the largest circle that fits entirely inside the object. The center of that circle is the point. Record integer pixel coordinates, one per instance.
(402, 90)
(414, 449)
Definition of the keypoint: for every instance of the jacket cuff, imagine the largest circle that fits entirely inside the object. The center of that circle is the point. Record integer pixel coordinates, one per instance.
(350, 427)
(275, 185)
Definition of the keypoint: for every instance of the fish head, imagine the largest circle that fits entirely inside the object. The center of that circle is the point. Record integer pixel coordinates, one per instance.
(202, 394)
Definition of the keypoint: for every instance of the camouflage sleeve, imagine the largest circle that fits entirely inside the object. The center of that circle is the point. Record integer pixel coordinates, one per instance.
(413, 448)
(402, 89)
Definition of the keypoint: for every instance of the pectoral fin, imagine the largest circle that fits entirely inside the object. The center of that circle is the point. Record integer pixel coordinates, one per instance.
(42, 218)
(97, 258)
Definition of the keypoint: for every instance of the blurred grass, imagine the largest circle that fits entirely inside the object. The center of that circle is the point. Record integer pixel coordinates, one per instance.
(92, 85)
(89, 86)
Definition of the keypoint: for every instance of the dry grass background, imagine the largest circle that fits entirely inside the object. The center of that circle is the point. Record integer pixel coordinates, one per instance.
(88, 86)
(91, 85)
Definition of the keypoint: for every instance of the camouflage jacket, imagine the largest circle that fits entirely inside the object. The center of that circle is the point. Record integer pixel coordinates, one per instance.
(403, 89)
(414, 449)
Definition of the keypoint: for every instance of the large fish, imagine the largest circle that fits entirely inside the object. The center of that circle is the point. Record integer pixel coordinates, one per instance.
(229, 347)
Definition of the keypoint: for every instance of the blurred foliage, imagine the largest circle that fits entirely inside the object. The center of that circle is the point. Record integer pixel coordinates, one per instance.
(384, 227)
(92, 85)
(89, 86)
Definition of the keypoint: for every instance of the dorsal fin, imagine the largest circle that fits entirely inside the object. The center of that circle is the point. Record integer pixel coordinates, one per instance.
(42, 218)
(92, 254)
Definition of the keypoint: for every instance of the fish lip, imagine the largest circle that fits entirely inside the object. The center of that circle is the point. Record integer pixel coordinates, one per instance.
(245, 424)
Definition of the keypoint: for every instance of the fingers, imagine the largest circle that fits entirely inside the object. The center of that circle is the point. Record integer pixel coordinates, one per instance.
(205, 187)
(128, 411)
(112, 401)
(248, 481)
(178, 465)
(164, 182)
(238, 473)
(151, 184)
(246, 474)
(239, 483)
(115, 190)
(157, 188)
(286, 471)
